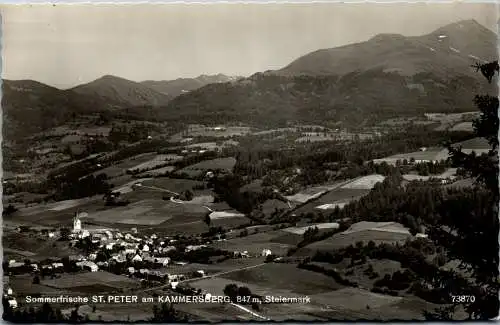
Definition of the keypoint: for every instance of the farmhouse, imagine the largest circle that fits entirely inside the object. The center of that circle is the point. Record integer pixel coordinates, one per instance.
(137, 258)
(163, 261)
(57, 265)
(194, 247)
(91, 266)
(13, 303)
(266, 252)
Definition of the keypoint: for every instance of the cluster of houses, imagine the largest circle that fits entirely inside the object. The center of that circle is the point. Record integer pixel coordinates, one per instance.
(9, 294)
(143, 258)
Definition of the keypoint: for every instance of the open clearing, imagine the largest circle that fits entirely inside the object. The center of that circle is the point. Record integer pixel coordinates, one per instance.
(287, 277)
(464, 126)
(430, 154)
(213, 164)
(272, 279)
(84, 280)
(157, 161)
(365, 183)
(145, 212)
(302, 230)
(225, 214)
(336, 197)
(22, 285)
(55, 206)
(383, 232)
(158, 171)
(314, 192)
(255, 243)
(120, 168)
(449, 173)
(172, 184)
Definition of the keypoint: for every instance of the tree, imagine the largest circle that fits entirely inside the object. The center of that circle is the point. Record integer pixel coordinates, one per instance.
(9, 210)
(188, 195)
(166, 314)
(231, 290)
(471, 234)
(65, 232)
(207, 219)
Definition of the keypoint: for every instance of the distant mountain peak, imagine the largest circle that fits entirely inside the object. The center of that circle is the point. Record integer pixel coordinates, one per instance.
(387, 36)
(464, 28)
(122, 92)
(181, 86)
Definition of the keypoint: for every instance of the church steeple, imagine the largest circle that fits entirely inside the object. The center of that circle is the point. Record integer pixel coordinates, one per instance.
(77, 223)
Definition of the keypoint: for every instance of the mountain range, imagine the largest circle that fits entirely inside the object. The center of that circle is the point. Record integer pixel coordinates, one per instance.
(388, 75)
(174, 88)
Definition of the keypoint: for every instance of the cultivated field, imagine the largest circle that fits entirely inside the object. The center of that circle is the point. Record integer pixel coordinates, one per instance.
(288, 277)
(464, 126)
(120, 168)
(55, 206)
(23, 286)
(309, 194)
(145, 212)
(203, 145)
(320, 226)
(214, 164)
(81, 282)
(450, 172)
(90, 131)
(172, 184)
(205, 131)
(364, 183)
(225, 215)
(34, 247)
(389, 233)
(158, 171)
(430, 154)
(255, 243)
(156, 162)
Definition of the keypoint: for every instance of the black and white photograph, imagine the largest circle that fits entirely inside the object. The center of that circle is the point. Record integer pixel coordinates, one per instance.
(250, 162)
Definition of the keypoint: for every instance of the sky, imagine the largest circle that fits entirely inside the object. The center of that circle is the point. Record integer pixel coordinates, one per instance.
(66, 45)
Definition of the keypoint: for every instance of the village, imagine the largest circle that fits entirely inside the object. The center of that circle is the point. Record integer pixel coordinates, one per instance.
(142, 258)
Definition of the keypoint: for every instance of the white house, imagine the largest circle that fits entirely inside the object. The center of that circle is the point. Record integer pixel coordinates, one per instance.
(13, 303)
(85, 234)
(190, 248)
(51, 234)
(129, 251)
(266, 252)
(9, 291)
(145, 248)
(161, 260)
(102, 264)
(109, 234)
(137, 258)
(131, 270)
(201, 272)
(91, 266)
(57, 265)
(110, 246)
